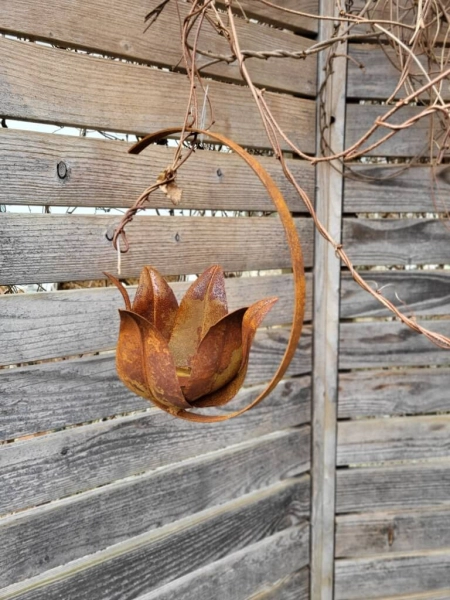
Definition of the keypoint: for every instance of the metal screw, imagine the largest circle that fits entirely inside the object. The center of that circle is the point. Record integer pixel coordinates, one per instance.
(62, 170)
(177, 237)
(219, 172)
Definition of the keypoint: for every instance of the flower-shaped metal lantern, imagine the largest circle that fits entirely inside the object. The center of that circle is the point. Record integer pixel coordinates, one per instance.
(196, 354)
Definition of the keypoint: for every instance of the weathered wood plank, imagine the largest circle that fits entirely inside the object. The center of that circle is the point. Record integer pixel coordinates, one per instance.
(279, 17)
(133, 568)
(388, 532)
(396, 438)
(242, 573)
(409, 142)
(40, 326)
(396, 241)
(381, 392)
(43, 248)
(411, 190)
(365, 345)
(405, 13)
(103, 174)
(379, 77)
(112, 95)
(61, 464)
(379, 577)
(129, 508)
(124, 35)
(327, 278)
(416, 292)
(58, 394)
(293, 587)
(393, 487)
(435, 595)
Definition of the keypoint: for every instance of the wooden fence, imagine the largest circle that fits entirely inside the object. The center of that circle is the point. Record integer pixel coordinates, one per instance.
(104, 498)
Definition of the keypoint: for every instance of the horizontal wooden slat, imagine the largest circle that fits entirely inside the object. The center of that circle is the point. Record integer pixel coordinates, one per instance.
(365, 345)
(396, 241)
(409, 142)
(57, 394)
(387, 532)
(44, 248)
(414, 292)
(395, 438)
(377, 188)
(124, 35)
(129, 508)
(133, 568)
(435, 595)
(64, 463)
(405, 13)
(242, 573)
(383, 392)
(111, 95)
(101, 173)
(379, 577)
(393, 487)
(294, 587)
(278, 17)
(379, 77)
(39, 326)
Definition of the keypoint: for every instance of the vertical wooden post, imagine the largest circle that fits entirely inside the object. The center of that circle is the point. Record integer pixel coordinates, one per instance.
(326, 312)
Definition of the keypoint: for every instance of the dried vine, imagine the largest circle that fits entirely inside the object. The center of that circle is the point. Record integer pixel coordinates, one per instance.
(415, 38)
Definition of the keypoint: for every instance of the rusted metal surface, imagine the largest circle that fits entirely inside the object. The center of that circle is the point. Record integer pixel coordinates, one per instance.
(195, 354)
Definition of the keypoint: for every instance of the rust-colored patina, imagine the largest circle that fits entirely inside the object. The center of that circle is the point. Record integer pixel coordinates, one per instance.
(195, 354)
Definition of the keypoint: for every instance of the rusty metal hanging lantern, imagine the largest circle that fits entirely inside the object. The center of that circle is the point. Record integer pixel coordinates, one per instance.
(196, 354)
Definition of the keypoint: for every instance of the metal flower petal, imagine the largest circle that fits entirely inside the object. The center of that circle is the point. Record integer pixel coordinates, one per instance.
(203, 305)
(144, 361)
(218, 357)
(251, 321)
(155, 301)
(129, 356)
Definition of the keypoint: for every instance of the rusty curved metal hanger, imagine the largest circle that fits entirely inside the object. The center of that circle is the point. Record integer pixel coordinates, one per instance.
(296, 259)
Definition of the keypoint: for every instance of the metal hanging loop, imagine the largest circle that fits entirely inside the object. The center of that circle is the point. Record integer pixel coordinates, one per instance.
(295, 250)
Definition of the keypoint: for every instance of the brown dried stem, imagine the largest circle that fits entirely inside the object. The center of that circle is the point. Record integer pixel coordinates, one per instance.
(422, 26)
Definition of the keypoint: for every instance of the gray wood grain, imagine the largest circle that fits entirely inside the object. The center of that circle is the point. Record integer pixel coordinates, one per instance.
(396, 438)
(396, 241)
(114, 96)
(125, 34)
(103, 174)
(379, 577)
(379, 77)
(36, 540)
(242, 573)
(390, 532)
(406, 15)
(401, 392)
(411, 190)
(133, 568)
(388, 344)
(278, 17)
(40, 326)
(67, 462)
(393, 487)
(58, 394)
(331, 109)
(435, 595)
(43, 248)
(415, 292)
(409, 142)
(293, 587)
